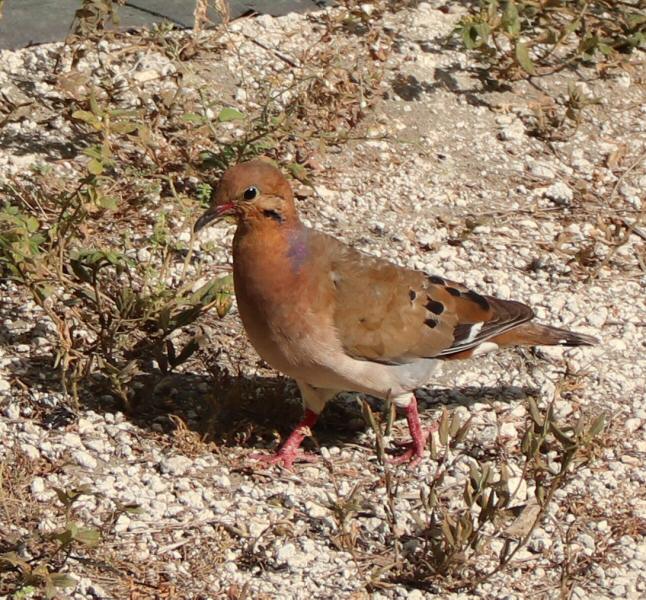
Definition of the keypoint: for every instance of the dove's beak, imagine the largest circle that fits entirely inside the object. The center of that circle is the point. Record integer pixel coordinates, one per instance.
(213, 214)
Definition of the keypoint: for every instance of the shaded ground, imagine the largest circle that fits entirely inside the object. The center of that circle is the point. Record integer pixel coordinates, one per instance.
(31, 22)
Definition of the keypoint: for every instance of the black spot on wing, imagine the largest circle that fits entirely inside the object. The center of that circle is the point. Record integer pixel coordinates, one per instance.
(412, 295)
(437, 308)
(481, 301)
(453, 291)
(430, 322)
(435, 279)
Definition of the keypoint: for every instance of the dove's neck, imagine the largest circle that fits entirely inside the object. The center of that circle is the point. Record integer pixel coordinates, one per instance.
(272, 249)
(297, 247)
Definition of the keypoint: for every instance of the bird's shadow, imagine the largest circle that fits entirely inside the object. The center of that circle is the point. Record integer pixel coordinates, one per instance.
(258, 411)
(228, 409)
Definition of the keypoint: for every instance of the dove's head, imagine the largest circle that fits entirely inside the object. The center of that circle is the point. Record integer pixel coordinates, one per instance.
(256, 193)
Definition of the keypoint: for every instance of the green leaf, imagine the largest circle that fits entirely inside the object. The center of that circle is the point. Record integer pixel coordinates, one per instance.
(95, 167)
(66, 535)
(223, 303)
(455, 425)
(87, 536)
(145, 135)
(15, 561)
(510, 19)
(95, 151)
(534, 412)
(605, 49)
(635, 19)
(43, 291)
(230, 114)
(468, 494)
(125, 127)
(637, 40)
(492, 9)
(86, 117)
(204, 192)
(443, 428)
(64, 497)
(32, 224)
(447, 530)
(124, 112)
(212, 291)
(588, 45)
(94, 105)
(572, 26)
(523, 59)
(462, 432)
(483, 31)
(299, 172)
(26, 591)
(115, 258)
(61, 580)
(561, 436)
(597, 425)
(192, 117)
(109, 202)
(466, 525)
(475, 476)
(475, 35)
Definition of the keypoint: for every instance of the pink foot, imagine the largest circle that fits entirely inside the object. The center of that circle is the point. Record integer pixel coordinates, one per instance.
(289, 451)
(413, 450)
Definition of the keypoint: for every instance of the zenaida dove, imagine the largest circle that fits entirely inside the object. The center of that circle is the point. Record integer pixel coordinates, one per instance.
(336, 319)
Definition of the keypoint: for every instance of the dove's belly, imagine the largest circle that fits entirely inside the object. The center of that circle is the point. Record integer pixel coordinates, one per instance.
(319, 360)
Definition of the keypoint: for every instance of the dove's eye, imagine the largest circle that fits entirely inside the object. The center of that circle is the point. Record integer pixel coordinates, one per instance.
(250, 193)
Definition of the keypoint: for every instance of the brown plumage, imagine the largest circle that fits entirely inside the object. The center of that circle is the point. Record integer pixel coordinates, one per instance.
(336, 319)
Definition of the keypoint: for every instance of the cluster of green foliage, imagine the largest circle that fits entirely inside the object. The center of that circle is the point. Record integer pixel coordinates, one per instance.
(112, 311)
(536, 37)
(43, 572)
(68, 240)
(455, 537)
(96, 15)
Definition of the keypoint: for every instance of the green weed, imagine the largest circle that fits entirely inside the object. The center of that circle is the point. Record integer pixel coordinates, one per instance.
(520, 38)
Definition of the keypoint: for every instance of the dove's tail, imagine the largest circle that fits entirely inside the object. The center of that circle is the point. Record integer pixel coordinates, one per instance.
(534, 334)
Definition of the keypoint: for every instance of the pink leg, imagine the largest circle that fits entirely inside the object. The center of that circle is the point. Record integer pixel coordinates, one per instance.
(414, 450)
(288, 452)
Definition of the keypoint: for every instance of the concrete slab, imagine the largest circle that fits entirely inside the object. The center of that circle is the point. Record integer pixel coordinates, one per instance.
(28, 22)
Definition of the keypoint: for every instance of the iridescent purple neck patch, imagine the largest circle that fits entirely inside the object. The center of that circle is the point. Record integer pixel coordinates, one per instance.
(297, 248)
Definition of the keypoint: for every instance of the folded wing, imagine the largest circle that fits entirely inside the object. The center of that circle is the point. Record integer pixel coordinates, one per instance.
(385, 313)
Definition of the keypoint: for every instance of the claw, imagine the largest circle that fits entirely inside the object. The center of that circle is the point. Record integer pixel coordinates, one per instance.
(289, 451)
(283, 459)
(413, 450)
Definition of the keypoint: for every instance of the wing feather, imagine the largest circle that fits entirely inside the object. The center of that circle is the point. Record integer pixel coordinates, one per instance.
(389, 314)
